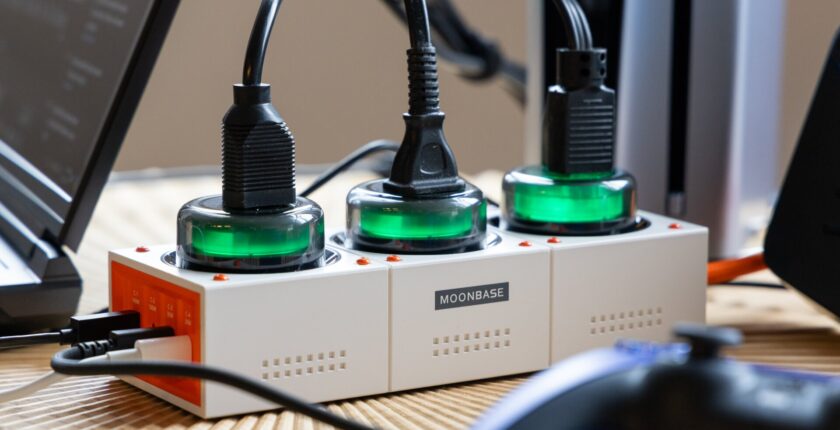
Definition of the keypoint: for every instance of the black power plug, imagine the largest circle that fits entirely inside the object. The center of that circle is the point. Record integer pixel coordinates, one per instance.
(259, 223)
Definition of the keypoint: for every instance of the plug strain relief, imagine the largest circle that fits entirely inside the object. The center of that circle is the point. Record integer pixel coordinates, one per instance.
(578, 69)
(94, 348)
(423, 87)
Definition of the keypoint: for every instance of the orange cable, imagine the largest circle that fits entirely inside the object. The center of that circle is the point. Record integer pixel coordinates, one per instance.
(722, 271)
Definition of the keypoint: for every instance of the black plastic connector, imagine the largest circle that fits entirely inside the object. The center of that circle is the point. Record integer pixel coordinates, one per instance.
(125, 339)
(120, 339)
(84, 328)
(424, 164)
(258, 153)
(579, 122)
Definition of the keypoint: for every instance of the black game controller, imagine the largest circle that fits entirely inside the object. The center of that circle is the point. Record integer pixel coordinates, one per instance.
(639, 385)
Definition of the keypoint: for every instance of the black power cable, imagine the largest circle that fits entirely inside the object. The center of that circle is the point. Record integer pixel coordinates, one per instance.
(475, 58)
(68, 363)
(258, 42)
(570, 24)
(29, 339)
(371, 148)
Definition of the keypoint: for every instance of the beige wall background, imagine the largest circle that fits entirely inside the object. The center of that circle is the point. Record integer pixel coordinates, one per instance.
(338, 75)
(337, 68)
(811, 25)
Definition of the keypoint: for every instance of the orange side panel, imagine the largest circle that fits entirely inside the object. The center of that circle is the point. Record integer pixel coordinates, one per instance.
(161, 303)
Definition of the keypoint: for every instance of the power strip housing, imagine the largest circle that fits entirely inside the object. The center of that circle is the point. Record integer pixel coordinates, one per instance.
(370, 323)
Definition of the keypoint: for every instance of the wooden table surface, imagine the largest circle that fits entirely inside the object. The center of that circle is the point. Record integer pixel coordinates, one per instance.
(780, 328)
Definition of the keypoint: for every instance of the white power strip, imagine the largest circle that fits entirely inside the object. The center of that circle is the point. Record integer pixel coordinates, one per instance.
(369, 323)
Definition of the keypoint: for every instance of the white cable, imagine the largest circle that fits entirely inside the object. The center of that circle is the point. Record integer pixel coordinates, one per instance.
(39, 384)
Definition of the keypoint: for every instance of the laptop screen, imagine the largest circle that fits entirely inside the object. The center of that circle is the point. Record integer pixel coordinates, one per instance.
(63, 67)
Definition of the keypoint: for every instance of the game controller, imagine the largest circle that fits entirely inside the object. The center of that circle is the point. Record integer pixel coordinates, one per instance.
(641, 385)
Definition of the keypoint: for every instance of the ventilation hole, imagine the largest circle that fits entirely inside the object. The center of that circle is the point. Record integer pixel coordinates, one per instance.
(456, 350)
(659, 310)
(320, 369)
(288, 360)
(310, 370)
(498, 332)
(320, 356)
(342, 366)
(650, 323)
(265, 363)
(487, 333)
(276, 361)
(602, 330)
(265, 375)
(332, 354)
(603, 318)
(445, 351)
(603, 71)
(621, 316)
(507, 331)
(507, 343)
(650, 311)
(477, 335)
(276, 375)
(621, 326)
(603, 57)
(435, 341)
(476, 347)
(299, 372)
(659, 321)
(612, 328)
(487, 345)
(446, 339)
(457, 338)
(298, 359)
(332, 367)
(466, 349)
(466, 336)
(343, 353)
(309, 357)
(497, 344)
(593, 331)
(435, 353)
(288, 373)
(630, 325)
(612, 317)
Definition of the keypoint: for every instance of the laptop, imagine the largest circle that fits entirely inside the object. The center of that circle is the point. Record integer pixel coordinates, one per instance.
(71, 76)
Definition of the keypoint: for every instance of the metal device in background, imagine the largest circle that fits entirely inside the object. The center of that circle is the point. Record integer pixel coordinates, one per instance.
(700, 85)
(66, 100)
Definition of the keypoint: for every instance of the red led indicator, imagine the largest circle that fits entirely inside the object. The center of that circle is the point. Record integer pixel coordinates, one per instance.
(363, 261)
(141, 249)
(220, 277)
(393, 258)
(553, 240)
(524, 243)
(674, 226)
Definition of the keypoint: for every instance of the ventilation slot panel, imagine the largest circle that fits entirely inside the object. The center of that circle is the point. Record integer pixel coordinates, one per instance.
(626, 321)
(307, 364)
(470, 342)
